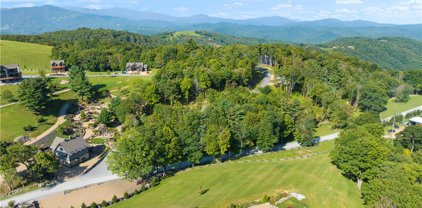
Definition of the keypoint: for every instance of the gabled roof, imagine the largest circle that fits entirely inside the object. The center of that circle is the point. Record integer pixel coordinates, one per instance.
(416, 120)
(56, 62)
(70, 146)
(10, 66)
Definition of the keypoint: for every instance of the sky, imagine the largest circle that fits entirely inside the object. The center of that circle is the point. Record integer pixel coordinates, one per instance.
(383, 11)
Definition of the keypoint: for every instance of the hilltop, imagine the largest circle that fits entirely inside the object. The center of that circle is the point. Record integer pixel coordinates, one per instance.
(388, 52)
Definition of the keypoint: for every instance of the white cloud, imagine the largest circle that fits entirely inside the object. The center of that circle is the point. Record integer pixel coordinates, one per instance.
(349, 1)
(94, 6)
(346, 11)
(181, 9)
(25, 5)
(234, 4)
(283, 5)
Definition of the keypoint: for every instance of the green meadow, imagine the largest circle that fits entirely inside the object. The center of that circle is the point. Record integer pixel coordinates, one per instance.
(30, 57)
(250, 178)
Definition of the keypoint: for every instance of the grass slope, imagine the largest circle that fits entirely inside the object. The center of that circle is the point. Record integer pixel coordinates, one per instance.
(245, 181)
(29, 56)
(391, 52)
(395, 108)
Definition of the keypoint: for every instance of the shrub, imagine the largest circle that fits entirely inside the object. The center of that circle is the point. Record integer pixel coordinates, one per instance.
(83, 205)
(41, 119)
(114, 199)
(103, 203)
(154, 181)
(7, 95)
(83, 115)
(28, 127)
(126, 195)
(143, 188)
(266, 198)
(11, 203)
(93, 205)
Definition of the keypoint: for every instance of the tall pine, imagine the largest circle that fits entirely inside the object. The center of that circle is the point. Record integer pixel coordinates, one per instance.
(79, 83)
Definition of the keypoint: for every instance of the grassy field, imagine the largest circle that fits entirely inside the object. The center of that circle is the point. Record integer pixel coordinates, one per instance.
(13, 118)
(395, 108)
(30, 57)
(244, 181)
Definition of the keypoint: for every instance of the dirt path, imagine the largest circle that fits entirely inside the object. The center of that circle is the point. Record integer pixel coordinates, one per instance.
(61, 119)
(94, 193)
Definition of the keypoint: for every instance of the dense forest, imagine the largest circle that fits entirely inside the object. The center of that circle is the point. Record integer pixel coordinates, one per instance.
(389, 52)
(203, 101)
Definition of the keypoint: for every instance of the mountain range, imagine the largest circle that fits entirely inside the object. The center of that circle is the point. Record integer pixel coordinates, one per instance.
(36, 20)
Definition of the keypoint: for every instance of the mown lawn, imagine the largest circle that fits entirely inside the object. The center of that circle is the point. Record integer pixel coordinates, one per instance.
(242, 181)
(394, 108)
(30, 57)
(13, 118)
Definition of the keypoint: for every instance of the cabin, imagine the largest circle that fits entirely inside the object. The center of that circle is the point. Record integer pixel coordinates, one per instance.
(70, 152)
(416, 121)
(58, 66)
(136, 67)
(10, 73)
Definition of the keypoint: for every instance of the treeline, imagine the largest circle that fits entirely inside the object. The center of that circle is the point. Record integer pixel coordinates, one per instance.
(390, 175)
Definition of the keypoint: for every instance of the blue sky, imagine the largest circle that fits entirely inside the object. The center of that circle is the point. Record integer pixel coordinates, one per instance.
(385, 11)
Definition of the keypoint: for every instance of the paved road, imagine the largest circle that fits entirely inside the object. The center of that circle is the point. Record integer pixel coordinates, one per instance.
(404, 113)
(97, 175)
(60, 119)
(101, 174)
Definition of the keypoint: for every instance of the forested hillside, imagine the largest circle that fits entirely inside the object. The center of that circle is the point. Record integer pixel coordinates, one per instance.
(389, 52)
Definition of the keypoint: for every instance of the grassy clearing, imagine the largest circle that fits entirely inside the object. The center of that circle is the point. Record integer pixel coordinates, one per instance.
(97, 141)
(13, 118)
(325, 129)
(395, 108)
(30, 57)
(241, 181)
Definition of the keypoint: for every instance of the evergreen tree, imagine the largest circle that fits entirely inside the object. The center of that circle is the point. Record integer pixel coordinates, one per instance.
(33, 94)
(79, 83)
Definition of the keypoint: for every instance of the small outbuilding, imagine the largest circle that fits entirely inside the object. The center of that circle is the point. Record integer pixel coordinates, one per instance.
(10, 72)
(58, 66)
(416, 121)
(136, 67)
(70, 152)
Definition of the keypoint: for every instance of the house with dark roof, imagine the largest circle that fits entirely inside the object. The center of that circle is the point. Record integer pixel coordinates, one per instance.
(132, 67)
(10, 72)
(58, 66)
(70, 152)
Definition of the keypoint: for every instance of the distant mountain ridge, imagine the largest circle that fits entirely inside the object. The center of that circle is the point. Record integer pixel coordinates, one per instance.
(36, 20)
(388, 52)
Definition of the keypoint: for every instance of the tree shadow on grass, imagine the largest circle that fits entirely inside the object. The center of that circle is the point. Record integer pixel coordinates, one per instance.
(257, 75)
(100, 92)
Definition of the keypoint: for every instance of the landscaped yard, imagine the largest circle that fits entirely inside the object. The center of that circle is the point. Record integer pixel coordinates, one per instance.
(396, 108)
(243, 181)
(30, 57)
(13, 118)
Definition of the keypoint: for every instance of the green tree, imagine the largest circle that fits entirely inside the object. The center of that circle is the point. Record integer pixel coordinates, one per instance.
(411, 138)
(135, 154)
(105, 117)
(396, 185)
(45, 165)
(358, 154)
(217, 141)
(8, 170)
(33, 94)
(304, 129)
(185, 86)
(403, 93)
(373, 98)
(79, 83)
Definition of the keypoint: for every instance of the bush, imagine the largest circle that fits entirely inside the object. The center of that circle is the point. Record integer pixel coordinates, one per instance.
(114, 199)
(41, 119)
(154, 181)
(103, 203)
(126, 195)
(11, 203)
(143, 188)
(7, 95)
(93, 205)
(28, 127)
(83, 205)
(266, 198)
(83, 115)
